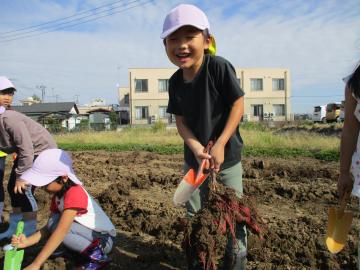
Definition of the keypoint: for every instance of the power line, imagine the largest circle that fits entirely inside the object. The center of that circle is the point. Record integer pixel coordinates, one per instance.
(37, 29)
(93, 19)
(61, 19)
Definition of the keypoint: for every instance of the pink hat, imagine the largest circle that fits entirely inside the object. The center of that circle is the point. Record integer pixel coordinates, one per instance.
(5, 83)
(182, 15)
(48, 166)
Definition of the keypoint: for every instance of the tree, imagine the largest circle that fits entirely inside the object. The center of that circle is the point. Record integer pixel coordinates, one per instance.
(36, 97)
(114, 119)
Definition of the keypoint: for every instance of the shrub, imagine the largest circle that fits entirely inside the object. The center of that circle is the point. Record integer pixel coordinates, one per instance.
(158, 126)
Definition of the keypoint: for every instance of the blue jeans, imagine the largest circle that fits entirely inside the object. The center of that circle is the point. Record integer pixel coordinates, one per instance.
(231, 177)
(25, 201)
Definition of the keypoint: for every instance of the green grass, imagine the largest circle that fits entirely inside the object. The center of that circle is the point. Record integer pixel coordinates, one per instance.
(161, 149)
(298, 140)
(258, 141)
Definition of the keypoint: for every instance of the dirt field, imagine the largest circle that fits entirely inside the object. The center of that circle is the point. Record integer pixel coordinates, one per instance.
(136, 188)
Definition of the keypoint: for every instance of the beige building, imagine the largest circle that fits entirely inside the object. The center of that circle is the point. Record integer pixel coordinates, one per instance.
(267, 94)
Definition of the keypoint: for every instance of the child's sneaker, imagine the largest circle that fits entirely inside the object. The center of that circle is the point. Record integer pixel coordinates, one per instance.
(94, 252)
(95, 256)
(93, 266)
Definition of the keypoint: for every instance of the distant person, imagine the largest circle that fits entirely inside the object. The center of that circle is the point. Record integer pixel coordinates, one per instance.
(2, 171)
(21, 135)
(7, 91)
(76, 220)
(208, 104)
(349, 178)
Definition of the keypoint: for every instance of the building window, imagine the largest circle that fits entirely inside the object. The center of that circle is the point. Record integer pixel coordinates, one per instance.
(278, 84)
(279, 109)
(126, 99)
(141, 112)
(163, 85)
(141, 85)
(256, 84)
(257, 110)
(162, 112)
(239, 81)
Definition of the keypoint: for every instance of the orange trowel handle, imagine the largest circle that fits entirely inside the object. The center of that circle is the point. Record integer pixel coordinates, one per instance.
(205, 163)
(208, 147)
(203, 171)
(197, 178)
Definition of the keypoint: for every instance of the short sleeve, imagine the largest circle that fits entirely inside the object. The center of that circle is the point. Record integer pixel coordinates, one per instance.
(174, 100)
(76, 198)
(346, 79)
(230, 84)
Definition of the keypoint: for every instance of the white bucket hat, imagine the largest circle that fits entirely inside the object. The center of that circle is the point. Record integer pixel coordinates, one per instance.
(48, 166)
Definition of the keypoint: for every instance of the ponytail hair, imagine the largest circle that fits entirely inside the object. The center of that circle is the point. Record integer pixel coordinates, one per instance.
(66, 186)
(212, 47)
(354, 82)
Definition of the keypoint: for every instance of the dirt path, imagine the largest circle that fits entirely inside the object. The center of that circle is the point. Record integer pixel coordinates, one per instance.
(135, 189)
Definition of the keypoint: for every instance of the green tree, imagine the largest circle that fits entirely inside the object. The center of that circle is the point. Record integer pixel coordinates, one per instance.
(114, 117)
(36, 97)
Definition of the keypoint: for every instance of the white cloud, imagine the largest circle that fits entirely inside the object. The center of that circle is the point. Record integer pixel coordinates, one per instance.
(319, 43)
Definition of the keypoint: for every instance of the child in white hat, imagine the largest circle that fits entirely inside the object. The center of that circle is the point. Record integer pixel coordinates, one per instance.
(26, 138)
(7, 90)
(208, 104)
(76, 220)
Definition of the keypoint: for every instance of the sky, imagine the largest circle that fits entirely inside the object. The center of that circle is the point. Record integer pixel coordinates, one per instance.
(82, 49)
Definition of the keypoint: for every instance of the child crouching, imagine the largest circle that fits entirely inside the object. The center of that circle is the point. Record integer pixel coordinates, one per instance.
(76, 220)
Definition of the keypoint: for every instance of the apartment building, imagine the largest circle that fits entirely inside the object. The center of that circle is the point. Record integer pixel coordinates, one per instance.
(267, 94)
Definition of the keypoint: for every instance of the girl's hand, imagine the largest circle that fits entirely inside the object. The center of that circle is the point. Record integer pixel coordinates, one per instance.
(20, 185)
(32, 267)
(217, 156)
(345, 184)
(21, 241)
(200, 155)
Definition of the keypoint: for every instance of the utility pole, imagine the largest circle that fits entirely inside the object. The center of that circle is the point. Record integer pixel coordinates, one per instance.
(76, 99)
(42, 89)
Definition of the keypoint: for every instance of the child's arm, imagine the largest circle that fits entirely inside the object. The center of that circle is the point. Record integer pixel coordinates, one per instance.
(63, 227)
(217, 151)
(196, 147)
(349, 137)
(22, 241)
(25, 154)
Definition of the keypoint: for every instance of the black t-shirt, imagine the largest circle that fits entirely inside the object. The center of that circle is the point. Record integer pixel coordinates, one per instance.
(205, 105)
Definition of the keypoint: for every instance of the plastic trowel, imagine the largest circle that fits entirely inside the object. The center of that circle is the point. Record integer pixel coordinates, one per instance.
(192, 180)
(339, 224)
(13, 258)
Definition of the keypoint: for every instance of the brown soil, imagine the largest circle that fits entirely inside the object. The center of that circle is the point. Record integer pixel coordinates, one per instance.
(326, 130)
(136, 188)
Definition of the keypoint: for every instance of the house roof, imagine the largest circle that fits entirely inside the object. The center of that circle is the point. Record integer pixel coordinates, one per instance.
(88, 109)
(102, 110)
(47, 108)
